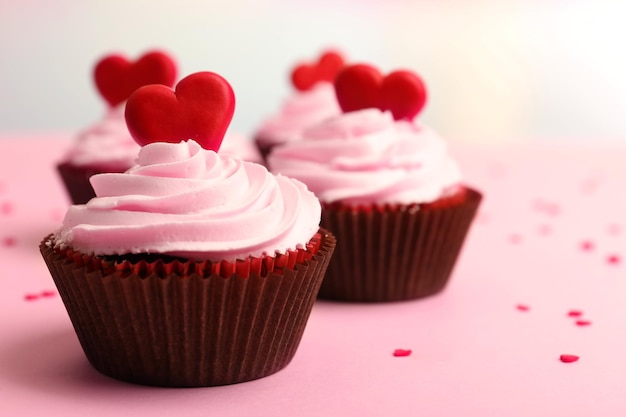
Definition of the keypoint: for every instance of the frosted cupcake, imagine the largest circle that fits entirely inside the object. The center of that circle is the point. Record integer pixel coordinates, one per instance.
(240, 146)
(390, 192)
(107, 145)
(313, 101)
(192, 268)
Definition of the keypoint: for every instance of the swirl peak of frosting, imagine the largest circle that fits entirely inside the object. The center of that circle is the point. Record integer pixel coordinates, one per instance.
(366, 157)
(182, 200)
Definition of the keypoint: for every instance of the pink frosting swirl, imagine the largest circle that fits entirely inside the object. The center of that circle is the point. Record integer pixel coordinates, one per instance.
(106, 145)
(366, 157)
(300, 111)
(185, 201)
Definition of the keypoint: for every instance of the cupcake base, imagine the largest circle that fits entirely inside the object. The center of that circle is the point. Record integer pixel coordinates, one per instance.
(189, 324)
(395, 252)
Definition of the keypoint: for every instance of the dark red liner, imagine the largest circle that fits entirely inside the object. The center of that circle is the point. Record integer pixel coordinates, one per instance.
(76, 181)
(181, 323)
(395, 252)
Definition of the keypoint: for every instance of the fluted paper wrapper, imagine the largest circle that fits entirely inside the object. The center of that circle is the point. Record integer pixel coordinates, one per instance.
(190, 324)
(394, 253)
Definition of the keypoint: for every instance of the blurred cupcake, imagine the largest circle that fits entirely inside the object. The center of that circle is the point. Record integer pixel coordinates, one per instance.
(314, 101)
(192, 268)
(390, 192)
(240, 146)
(107, 145)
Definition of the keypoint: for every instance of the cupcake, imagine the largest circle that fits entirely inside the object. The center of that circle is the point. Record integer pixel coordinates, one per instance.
(192, 268)
(390, 192)
(240, 146)
(313, 101)
(107, 146)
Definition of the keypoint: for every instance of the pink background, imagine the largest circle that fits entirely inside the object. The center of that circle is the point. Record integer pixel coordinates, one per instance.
(474, 353)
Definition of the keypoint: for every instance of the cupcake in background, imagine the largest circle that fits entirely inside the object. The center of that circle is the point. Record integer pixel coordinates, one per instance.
(107, 145)
(240, 146)
(192, 268)
(313, 101)
(390, 192)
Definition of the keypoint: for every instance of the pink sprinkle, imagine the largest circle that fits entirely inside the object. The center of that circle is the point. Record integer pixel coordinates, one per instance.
(568, 358)
(515, 238)
(614, 229)
(402, 352)
(48, 293)
(9, 241)
(31, 297)
(6, 207)
(522, 307)
(545, 229)
(588, 186)
(613, 259)
(552, 209)
(574, 313)
(583, 323)
(587, 245)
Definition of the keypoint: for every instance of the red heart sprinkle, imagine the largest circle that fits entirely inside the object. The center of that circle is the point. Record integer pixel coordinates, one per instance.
(117, 78)
(200, 108)
(305, 76)
(6, 207)
(48, 293)
(362, 86)
(613, 259)
(522, 307)
(568, 358)
(574, 313)
(402, 352)
(587, 245)
(583, 323)
(31, 297)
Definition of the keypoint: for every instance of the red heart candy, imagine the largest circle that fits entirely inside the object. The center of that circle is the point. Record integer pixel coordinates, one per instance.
(362, 86)
(329, 65)
(117, 78)
(200, 108)
(358, 87)
(305, 76)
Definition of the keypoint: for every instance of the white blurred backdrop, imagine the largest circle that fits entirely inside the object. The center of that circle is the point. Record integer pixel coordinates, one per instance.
(497, 70)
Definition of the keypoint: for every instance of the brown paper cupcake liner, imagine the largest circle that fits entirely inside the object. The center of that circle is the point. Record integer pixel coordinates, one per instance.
(265, 148)
(393, 253)
(76, 180)
(180, 323)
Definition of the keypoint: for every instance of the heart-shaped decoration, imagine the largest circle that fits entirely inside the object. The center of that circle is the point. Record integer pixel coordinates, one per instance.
(200, 108)
(117, 78)
(362, 86)
(305, 76)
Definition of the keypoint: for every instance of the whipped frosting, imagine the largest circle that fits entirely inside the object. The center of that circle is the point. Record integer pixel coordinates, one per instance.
(182, 200)
(366, 157)
(298, 112)
(106, 145)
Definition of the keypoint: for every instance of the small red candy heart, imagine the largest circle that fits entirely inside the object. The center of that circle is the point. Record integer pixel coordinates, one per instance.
(117, 78)
(305, 76)
(362, 86)
(200, 108)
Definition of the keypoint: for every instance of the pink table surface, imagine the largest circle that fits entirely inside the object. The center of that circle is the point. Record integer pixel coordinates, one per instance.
(550, 236)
